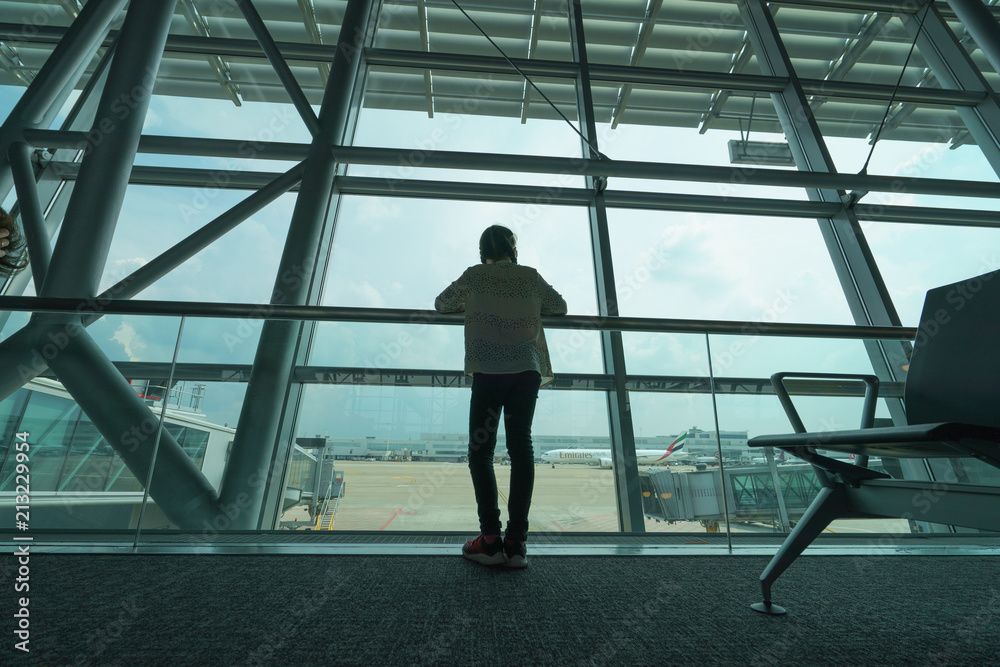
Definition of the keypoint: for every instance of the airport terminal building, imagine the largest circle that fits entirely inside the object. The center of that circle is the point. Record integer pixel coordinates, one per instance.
(774, 224)
(455, 446)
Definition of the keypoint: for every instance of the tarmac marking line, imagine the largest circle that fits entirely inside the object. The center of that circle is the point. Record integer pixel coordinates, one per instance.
(398, 512)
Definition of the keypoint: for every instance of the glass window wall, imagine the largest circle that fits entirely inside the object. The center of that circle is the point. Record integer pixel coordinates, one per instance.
(368, 429)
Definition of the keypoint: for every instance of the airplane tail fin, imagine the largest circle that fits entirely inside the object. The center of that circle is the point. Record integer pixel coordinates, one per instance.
(678, 444)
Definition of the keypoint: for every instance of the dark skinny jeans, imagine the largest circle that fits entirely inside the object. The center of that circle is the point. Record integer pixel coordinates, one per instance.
(515, 394)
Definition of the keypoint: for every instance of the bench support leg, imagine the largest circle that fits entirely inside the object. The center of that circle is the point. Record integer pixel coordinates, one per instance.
(830, 504)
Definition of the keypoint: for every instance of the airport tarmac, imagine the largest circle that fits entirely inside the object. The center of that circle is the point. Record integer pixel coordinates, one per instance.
(431, 496)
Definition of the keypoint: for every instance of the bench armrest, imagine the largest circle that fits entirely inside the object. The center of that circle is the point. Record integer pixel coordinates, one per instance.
(867, 412)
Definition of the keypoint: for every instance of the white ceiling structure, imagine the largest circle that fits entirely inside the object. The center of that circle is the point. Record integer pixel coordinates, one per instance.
(849, 56)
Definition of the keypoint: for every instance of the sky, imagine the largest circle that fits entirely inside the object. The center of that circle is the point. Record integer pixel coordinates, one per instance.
(400, 253)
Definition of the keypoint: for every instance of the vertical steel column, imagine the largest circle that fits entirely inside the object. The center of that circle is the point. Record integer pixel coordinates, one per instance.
(953, 68)
(867, 295)
(18, 361)
(53, 191)
(982, 25)
(92, 215)
(255, 443)
(32, 219)
(274, 493)
(56, 78)
(627, 489)
(178, 487)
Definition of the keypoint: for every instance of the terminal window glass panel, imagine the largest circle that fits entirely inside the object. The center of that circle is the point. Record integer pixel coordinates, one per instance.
(11, 411)
(240, 267)
(471, 111)
(90, 459)
(537, 30)
(435, 241)
(688, 35)
(49, 421)
(724, 267)
(838, 44)
(927, 155)
(402, 452)
(916, 258)
(192, 440)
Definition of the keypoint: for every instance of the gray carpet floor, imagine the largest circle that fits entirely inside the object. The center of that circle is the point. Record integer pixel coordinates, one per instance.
(408, 610)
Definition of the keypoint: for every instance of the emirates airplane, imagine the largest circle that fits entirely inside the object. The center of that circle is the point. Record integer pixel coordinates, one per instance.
(602, 457)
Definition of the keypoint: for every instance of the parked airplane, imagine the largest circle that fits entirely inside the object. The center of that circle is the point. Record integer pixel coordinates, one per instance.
(851, 458)
(602, 457)
(779, 458)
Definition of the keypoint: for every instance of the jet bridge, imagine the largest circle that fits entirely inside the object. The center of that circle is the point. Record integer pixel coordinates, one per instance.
(672, 496)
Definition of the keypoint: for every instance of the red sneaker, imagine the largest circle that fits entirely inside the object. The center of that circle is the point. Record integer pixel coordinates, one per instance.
(485, 552)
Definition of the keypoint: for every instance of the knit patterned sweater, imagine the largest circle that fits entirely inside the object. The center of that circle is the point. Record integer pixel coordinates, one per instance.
(503, 304)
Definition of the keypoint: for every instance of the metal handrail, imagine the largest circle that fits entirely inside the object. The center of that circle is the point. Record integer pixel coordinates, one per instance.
(405, 316)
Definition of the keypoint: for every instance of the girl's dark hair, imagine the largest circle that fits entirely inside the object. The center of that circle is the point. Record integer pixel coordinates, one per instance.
(496, 243)
(15, 259)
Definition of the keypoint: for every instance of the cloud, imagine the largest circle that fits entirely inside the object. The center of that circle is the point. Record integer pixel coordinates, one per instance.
(120, 268)
(368, 294)
(130, 340)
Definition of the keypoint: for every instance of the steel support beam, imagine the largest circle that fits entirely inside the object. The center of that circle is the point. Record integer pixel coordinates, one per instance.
(866, 293)
(57, 77)
(981, 23)
(92, 215)
(642, 43)
(308, 10)
(184, 250)
(255, 444)
(219, 66)
(32, 217)
(735, 175)
(275, 491)
(626, 472)
(53, 189)
(953, 67)
(178, 487)
(627, 199)
(426, 46)
(404, 316)
(11, 62)
(536, 23)
(288, 80)
(317, 53)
